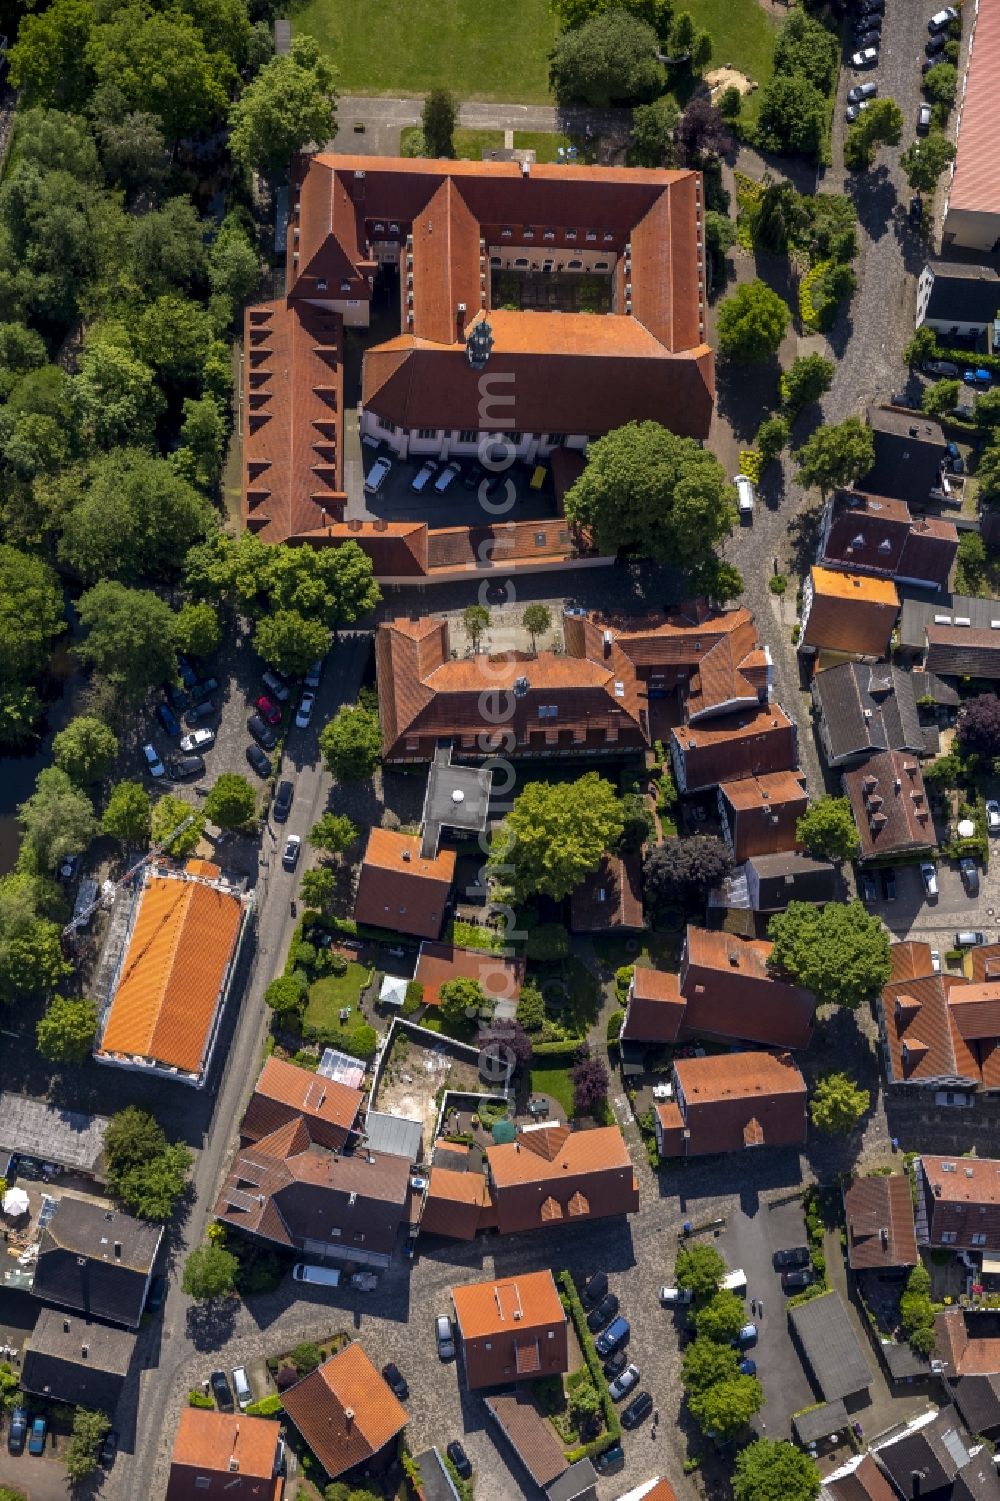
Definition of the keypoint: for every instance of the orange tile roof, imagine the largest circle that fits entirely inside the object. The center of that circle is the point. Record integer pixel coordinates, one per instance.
(735, 746)
(730, 992)
(765, 812)
(456, 1203)
(880, 1230)
(610, 897)
(730, 1101)
(849, 613)
(283, 1091)
(552, 1162)
(205, 1444)
(345, 1410)
(526, 1301)
(437, 963)
(656, 1007)
(183, 940)
(974, 187)
(399, 888)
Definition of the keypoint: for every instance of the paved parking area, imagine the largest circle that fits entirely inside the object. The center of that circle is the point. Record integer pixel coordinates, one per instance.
(39, 1478)
(457, 506)
(935, 920)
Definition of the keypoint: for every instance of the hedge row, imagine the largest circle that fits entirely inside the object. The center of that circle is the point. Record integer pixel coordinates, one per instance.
(560, 1049)
(570, 1299)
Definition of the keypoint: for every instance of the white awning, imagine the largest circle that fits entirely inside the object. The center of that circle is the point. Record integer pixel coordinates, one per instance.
(393, 992)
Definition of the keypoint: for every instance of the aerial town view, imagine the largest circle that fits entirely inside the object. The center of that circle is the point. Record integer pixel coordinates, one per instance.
(499, 750)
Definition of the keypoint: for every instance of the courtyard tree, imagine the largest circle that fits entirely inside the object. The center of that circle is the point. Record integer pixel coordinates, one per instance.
(197, 630)
(923, 346)
(681, 872)
(941, 398)
(725, 1409)
(32, 614)
(653, 127)
(753, 321)
(840, 952)
(80, 1454)
(438, 119)
(333, 833)
(318, 888)
(700, 1269)
(65, 1034)
(706, 1363)
(590, 1083)
(702, 132)
(290, 103)
(536, 619)
(835, 455)
(792, 116)
(608, 59)
(555, 835)
(880, 124)
(127, 815)
(647, 489)
(924, 161)
(147, 1172)
(807, 378)
(351, 744)
(805, 47)
(475, 619)
(827, 830)
(772, 435)
(941, 86)
(232, 802)
(837, 1104)
(168, 818)
(209, 1273)
(721, 1318)
(286, 993)
(774, 1470)
(461, 998)
(291, 641)
(979, 725)
(58, 819)
(85, 750)
(129, 638)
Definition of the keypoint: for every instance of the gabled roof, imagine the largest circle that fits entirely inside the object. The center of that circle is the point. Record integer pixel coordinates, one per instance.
(868, 707)
(963, 292)
(962, 650)
(919, 613)
(731, 1101)
(973, 187)
(513, 1329)
(655, 1010)
(530, 1436)
(438, 963)
(747, 744)
(207, 1444)
(927, 1457)
(850, 613)
(457, 1204)
(890, 806)
(788, 877)
(284, 1091)
(860, 1479)
(401, 889)
(730, 992)
(552, 1174)
(610, 898)
(877, 535)
(880, 1233)
(830, 1347)
(77, 1361)
(96, 1260)
(763, 812)
(345, 1410)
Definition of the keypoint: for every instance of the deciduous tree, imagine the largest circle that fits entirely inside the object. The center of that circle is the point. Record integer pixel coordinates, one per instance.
(683, 871)
(130, 638)
(941, 398)
(556, 834)
(706, 1363)
(290, 641)
(590, 1083)
(58, 819)
(31, 613)
(475, 618)
(840, 953)
(460, 998)
(924, 161)
(232, 802)
(85, 750)
(653, 127)
(700, 1269)
(197, 630)
(807, 48)
(438, 119)
(318, 887)
(135, 520)
(65, 1034)
(836, 455)
(610, 58)
(837, 1104)
(168, 815)
(161, 65)
(880, 125)
(702, 133)
(80, 1454)
(775, 1470)
(127, 815)
(827, 830)
(351, 744)
(721, 1318)
(792, 116)
(536, 619)
(725, 1409)
(334, 833)
(979, 725)
(807, 378)
(209, 1273)
(941, 85)
(752, 323)
(291, 102)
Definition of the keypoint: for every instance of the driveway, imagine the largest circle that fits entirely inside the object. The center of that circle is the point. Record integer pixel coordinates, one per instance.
(40, 1478)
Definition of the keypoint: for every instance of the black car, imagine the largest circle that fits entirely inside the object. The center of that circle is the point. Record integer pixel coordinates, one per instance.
(637, 1411)
(258, 760)
(282, 805)
(866, 39)
(393, 1378)
(186, 671)
(603, 1313)
(204, 690)
(474, 477)
(108, 1450)
(611, 1459)
(802, 1277)
(179, 768)
(936, 44)
(262, 732)
(199, 712)
(868, 23)
(157, 1294)
(168, 719)
(221, 1389)
(18, 1430)
(792, 1256)
(916, 209)
(616, 1364)
(595, 1289)
(176, 697)
(459, 1459)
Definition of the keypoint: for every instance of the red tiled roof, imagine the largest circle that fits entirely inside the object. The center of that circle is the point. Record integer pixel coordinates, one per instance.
(510, 542)
(964, 1356)
(974, 187)
(738, 745)
(864, 1483)
(732, 674)
(880, 1232)
(730, 992)
(399, 888)
(609, 898)
(552, 1162)
(283, 1092)
(731, 1101)
(763, 812)
(850, 614)
(531, 1437)
(962, 1200)
(437, 963)
(890, 805)
(873, 534)
(922, 1038)
(656, 1007)
(511, 1329)
(344, 1410)
(456, 1204)
(205, 1447)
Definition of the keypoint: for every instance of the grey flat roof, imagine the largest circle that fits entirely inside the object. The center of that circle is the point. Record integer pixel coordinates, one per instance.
(918, 613)
(469, 812)
(819, 1422)
(36, 1129)
(396, 1135)
(579, 1480)
(435, 1482)
(830, 1347)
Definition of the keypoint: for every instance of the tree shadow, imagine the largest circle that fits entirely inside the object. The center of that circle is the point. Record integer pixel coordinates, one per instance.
(738, 394)
(874, 196)
(211, 1325)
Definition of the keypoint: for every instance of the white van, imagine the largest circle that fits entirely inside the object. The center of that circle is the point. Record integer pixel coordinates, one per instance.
(325, 1276)
(744, 494)
(242, 1388)
(735, 1282)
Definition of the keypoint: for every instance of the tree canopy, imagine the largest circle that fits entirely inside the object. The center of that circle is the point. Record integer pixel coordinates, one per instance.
(65, 1034)
(683, 871)
(80, 1454)
(880, 124)
(924, 161)
(231, 802)
(807, 48)
(979, 725)
(460, 997)
(837, 1104)
(807, 378)
(58, 819)
(706, 1362)
(130, 638)
(291, 102)
(438, 119)
(774, 1470)
(836, 455)
(608, 59)
(351, 744)
(840, 952)
(290, 641)
(127, 814)
(700, 1268)
(147, 1172)
(827, 830)
(752, 323)
(645, 488)
(653, 127)
(792, 116)
(721, 1318)
(333, 832)
(31, 957)
(725, 1409)
(85, 750)
(555, 835)
(209, 1272)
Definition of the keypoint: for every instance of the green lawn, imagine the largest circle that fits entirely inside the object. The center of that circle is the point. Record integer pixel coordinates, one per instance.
(329, 994)
(469, 144)
(409, 46)
(743, 37)
(553, 1079)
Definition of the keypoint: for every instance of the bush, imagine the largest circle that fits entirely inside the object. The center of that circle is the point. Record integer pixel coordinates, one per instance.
(821, 290)
(306, 1357)
(751, 464)
(414, 997)
(548, 942)
(623, 979)
(777, 583)
(268, 1407)
(615, 1022)
(198, 1398)
(531, 1007)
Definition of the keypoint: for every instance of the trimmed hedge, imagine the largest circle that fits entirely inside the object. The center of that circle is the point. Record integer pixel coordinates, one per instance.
(561, 1049)
(570, 1300)
(267, 1407)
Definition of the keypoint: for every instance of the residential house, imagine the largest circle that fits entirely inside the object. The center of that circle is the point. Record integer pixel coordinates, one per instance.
(890, 806)
(879, 1216)
(772, 881)
(759, 814)
(550, 1175)
(226, 1457)
(610, 898)
(329, 1206)
(741, 745)
(957, 635)
(170, 989)
(437, 963)
(958, 1202)
(935, 1457)
(909, 452)
(76, 1361)
(34, 1128)
(847, 614)
(346, 1412)
(857, 1479)
(972, 196)
(285, 1093)
(457, 1201)
(532, 1439)
(96, 1260)
(654, 1010)
(940, 1031)
(970, 1369)
(511, 1330)
(401, 889)
(878, 536)
(862, 708)
(732, 1102)
(958, 299)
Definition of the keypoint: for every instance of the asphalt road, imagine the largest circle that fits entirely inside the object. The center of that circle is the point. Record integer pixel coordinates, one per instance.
(173, 1343)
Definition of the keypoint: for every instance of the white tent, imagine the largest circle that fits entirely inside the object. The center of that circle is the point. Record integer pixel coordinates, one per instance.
(966, 829)
(15, 1202)
(393, 992)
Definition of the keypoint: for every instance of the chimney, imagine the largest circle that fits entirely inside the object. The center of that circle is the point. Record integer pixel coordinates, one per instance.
(884, 1236)
(84, 1351)
(525, 169)
(915, 1479)
(234, 1464)
(349, 1417)
(406, 855)
(734, 958)
(118, 1250)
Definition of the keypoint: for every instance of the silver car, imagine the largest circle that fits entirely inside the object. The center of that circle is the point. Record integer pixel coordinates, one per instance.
(445, 1337)
(198, 740)
(377, 475)
(624, 1383)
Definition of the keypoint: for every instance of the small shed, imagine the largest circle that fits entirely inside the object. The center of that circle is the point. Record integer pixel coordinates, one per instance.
(817, 1423)
(393, 992)
(829, 1347)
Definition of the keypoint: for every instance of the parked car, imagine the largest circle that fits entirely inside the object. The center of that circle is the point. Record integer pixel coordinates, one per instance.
(603, 1313)
(969, 938)
(675, 1297)
(954, 459)
(594, 1290)
(108, 1450)
(474, 477)
(275, 685)
(924, 117)
(17, 1432)
(993, 816)
(447, 477)
(221, 1390)
(976, 377)
(942, 19)
(744, 494)
(201, 691)
(611, 1459)
(936, 45)
(268, 709)
(282, 805)
(304, 713)
(916, 209)
(747, 1336)
(424, 475)
(154, 765)
(637, 1411)
(179, 768)
(936, 961)
(445, 1337)
(862, 91)
(186, 670)
(873, 8)
(615, 1364)
(314, 675)
(748, 1367)
(791, 1256)
(970, 875)
(242, 1387)
(854, 111)
(176, 697)
(869, 890)
(168, 719)
(929, 877)
(943, 369)
(614, 1335)
(393, 1378)
(156, 1295)
(456, 1453)
(262, 733)
(36, 1440)
(290, 854)
(260, 762)
(889, 885)
(198, 712)
(801, 1277)
(198, 740)
(377, 475)
(866, 58)
(868, 21)
(623, 1384)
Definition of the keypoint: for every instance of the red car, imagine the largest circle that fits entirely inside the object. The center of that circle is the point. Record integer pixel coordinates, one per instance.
(269, 710)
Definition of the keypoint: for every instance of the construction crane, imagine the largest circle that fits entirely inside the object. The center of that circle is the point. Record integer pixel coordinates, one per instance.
(110, 887)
